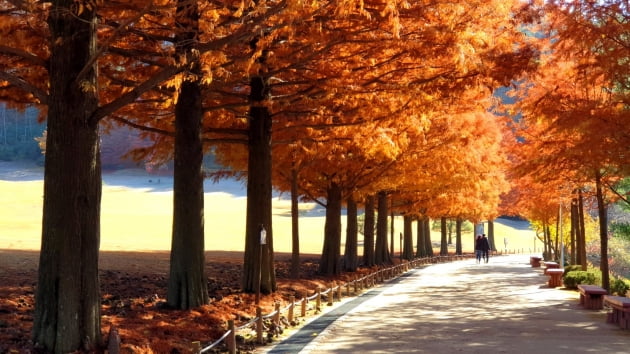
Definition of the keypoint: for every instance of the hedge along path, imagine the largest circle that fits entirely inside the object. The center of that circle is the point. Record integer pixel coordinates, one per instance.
(271, 325)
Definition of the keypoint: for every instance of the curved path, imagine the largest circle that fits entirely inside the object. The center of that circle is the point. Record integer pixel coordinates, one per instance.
(503, 306)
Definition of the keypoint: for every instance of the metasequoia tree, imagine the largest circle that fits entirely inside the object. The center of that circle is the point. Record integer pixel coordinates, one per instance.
(584, 131)
(56, 69)
(61, 78)
(223, 35)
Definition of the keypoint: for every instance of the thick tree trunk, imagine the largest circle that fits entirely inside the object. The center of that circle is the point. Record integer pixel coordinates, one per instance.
(443, 239)
(420, 243)
(381, 253)
(428, 245)
(493, 246)
(352, 233)
(187, 283)
(329, 263)
(368, 233)
(458, 236)
(407, 251)
(602, 211)
(67, 299)
(258, 265)
(295, 229)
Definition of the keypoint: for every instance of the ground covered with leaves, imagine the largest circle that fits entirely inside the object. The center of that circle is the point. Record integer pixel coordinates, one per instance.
(133, 290)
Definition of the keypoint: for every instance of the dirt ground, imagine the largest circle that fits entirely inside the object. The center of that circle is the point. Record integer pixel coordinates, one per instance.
(133, 290)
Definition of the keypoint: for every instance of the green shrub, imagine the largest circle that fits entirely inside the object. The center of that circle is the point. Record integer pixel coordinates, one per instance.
(619, 286)
(574, 278)
(571, 268)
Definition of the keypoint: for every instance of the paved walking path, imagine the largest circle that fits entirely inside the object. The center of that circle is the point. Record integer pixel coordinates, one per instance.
(503, 306)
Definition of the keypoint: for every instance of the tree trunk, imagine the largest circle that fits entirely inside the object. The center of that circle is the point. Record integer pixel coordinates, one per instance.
(258, 263)
(546, 253)
(458, 236)
(368, 233)
(295, 229)
(602, 208)
(381, 253)
(443, 240)
(493, 246)
(329, 263)
(407, 251)
(187, 283)
(67, 299)
(582, 229)
(420, 243)
(350, 253)
(427, 236)
(391, 231)
(574, 232)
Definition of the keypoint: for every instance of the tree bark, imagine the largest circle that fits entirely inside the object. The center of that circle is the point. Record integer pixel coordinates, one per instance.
(493, 246)
(602, 211)
(368, 233)
(443, 239)
(187, 283)
(427, 236)
(420, 243)
(381, 253)
(352, 231)
(582, 229)
(329, 263)
(295, 229)
(458, 236)
(407, 251)
(575, 245)
(258, 263)
(392, 244)
(67, 298)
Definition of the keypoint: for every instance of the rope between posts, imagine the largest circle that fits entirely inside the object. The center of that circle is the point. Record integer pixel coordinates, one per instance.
(216, 342)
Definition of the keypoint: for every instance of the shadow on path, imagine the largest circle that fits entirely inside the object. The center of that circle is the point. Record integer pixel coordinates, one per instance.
(463, 307)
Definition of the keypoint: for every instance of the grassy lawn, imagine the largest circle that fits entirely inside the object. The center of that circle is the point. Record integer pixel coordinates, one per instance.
(137, 219)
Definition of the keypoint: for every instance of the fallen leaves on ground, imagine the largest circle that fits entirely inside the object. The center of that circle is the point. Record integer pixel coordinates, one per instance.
(133, 291)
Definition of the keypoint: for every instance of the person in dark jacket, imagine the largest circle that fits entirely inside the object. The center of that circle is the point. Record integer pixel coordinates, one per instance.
(478, 248)
(485, 248)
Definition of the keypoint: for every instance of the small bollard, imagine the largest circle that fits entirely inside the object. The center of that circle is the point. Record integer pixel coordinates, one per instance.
(304, 303)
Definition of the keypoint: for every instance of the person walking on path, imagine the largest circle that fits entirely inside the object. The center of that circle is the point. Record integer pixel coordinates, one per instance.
(478, 248)
(485, 248)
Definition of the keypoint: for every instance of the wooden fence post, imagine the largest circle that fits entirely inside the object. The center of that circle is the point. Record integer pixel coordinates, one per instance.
(304, 303)
(231, 339)
(195, 347)
(276, 317)
(318, 300)
(259, 325)
(291, 306)
(339, 292)
(331, 294)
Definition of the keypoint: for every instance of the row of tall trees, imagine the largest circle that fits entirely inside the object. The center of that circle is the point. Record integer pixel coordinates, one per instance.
(340, 102)
(574, 142)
